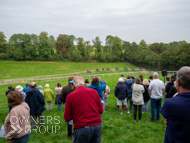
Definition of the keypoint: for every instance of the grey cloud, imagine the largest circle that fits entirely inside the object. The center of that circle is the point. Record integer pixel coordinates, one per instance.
(151, 20)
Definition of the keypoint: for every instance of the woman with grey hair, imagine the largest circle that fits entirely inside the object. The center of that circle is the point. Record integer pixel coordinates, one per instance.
(48, 95)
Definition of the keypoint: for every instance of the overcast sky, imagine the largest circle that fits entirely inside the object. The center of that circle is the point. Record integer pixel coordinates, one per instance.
(131, 20)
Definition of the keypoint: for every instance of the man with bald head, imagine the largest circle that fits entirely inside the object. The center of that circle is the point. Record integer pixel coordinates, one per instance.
(156, 90)
(36, 102)
(84, 106)
(176, 110)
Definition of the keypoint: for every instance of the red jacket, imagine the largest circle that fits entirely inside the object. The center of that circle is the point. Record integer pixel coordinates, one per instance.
(83, 106)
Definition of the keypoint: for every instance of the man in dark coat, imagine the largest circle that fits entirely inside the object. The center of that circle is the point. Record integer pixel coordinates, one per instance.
(121, 93)
(36, 102)
(66, 91)
(176, 110)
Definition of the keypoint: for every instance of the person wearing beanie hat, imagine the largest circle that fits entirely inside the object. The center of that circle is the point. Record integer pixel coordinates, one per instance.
(48, 95)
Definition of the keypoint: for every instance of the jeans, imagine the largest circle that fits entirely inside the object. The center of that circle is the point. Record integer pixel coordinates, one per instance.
(106, 100)
(23, 139)
(69, 129)
(155, 105)
(49, 104)
(135, 111)
(88, 134)
(60, 106)
(41, 120)
(129, 98)
(145, 107)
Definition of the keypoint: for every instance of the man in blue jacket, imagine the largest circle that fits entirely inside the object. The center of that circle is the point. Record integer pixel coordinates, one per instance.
(36, 102)
(129, 82)
(121, 94)
(176, 110)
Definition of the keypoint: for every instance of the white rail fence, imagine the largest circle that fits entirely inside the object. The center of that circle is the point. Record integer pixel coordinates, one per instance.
(83, 74)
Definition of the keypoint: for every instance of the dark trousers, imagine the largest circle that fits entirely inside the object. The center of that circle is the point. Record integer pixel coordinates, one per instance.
(69, 129)
(129, 98)
(135, 111)
(41, 120)
(88, 134)
(23, 139)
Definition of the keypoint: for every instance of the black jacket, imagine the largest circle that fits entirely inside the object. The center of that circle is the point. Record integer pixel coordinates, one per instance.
(168, 86)
(146, 96)
(171, 92)
(121, 91)
(35, 101)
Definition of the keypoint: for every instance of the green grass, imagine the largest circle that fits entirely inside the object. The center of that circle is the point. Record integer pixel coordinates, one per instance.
(10, 70)
(116, 128)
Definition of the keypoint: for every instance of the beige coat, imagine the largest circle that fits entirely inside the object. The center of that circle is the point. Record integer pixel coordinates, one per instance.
(137, 94)
(17, 122)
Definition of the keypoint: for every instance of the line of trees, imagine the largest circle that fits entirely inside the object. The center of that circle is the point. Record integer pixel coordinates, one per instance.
(26, 47)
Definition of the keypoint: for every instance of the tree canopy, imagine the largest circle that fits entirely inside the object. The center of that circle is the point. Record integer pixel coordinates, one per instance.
(67, 47)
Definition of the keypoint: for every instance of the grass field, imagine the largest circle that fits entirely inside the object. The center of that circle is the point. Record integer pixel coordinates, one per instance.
(116, 128)
(10, 70)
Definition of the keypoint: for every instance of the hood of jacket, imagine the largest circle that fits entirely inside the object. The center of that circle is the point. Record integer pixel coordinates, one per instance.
(94, 85)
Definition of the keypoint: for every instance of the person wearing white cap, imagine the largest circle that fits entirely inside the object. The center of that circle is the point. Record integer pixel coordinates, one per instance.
(121, 93)
(48, 95)
(20, 88)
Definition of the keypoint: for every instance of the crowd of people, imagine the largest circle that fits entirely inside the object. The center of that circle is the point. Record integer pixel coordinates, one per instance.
(85, 103)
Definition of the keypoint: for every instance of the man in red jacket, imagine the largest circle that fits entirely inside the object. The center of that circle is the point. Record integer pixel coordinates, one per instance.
(84, 106)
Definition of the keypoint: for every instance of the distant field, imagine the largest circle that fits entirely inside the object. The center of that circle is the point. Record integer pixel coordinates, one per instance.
(10, 70)
(116, 128)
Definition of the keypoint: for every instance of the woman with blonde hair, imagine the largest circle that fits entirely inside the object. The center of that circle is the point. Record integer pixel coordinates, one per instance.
(17, 123)
(146, 96)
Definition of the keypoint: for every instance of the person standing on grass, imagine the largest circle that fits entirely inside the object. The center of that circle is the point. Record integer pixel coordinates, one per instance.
(63, 96)
(137, 98)
(35, 101)
(58, 101)
(9, 87)
(176, 110)
(121, 93)
(41, 89)
(170, 84)
(129, 83)
(156, 90)
(99, 86)
(146, 96)
(20, 88)
(165, 84)
(106, 96)
(87, 83)
(84, 106)
(26, 88)
(48, 95)
(17, 123)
